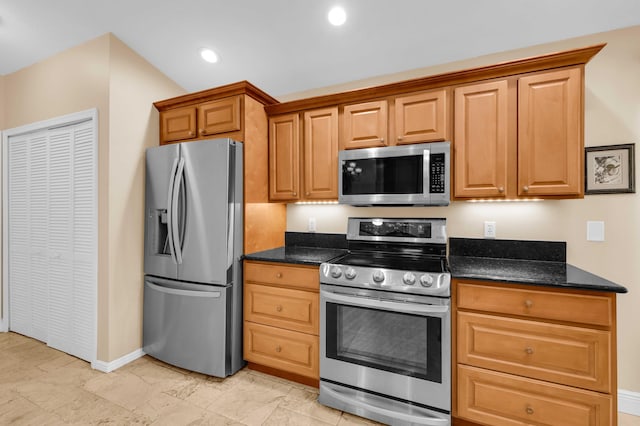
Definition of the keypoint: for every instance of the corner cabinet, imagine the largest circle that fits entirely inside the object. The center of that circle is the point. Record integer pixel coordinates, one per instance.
(281, 320)
(534, 355)
(520, 136)
(315, 147)
(233, 111)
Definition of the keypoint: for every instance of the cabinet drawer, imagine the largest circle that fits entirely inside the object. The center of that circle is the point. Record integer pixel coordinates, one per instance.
(500, 399)
(571, 307)
(282, 349)
(283, 275)
(281, 307)
(572, 356)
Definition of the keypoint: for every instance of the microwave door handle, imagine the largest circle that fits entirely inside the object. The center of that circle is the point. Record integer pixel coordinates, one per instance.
(403, 307)
(426, 173)
(170, 218)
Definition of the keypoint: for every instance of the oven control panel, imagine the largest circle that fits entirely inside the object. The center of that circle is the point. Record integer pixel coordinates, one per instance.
(414, 282)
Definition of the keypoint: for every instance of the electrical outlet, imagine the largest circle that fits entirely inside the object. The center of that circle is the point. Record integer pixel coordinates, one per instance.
(312, 224)
(489, 229)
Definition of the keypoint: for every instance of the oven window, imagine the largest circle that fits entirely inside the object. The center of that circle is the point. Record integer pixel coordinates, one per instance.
(389, 175)
(406, 344)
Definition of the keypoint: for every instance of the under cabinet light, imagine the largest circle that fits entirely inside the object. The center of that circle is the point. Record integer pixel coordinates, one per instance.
(315, 202)
(501, 200)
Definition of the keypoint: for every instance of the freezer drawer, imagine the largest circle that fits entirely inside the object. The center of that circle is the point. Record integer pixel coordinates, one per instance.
(185, 325)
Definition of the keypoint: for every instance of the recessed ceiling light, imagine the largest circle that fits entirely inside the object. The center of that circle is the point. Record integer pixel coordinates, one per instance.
(337, 16)
(208, 55)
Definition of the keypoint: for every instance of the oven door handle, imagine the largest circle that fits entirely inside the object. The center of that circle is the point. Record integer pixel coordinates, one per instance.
(403, 307)
(419, 420)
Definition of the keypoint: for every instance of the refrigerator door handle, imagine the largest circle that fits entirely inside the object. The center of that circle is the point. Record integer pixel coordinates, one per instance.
(170, 218)
(174, 211)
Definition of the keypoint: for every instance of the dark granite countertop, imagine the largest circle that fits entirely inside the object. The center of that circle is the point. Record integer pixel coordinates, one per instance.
(305, 249)
(525, 262)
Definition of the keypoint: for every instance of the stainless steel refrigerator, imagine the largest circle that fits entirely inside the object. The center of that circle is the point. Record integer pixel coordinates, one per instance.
(193, 247)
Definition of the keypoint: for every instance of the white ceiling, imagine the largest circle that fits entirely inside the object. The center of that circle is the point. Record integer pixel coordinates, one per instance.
(287, 46)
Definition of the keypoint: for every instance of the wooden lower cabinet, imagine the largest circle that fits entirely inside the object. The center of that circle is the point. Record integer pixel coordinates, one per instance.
(499, 399)
(281, 320)
(532, 355)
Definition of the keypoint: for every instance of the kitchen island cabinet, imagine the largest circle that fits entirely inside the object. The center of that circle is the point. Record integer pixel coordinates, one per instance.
(520, 136)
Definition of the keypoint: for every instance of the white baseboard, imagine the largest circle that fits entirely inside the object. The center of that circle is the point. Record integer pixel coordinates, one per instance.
(629, 402)
(108, 367)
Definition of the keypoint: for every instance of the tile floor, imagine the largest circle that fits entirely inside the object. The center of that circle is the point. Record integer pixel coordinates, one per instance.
(43, 386)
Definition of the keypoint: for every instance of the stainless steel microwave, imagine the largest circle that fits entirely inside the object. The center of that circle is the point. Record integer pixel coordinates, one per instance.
(417, 175)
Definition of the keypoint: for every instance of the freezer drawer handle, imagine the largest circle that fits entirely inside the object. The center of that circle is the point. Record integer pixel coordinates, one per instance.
(190, 293)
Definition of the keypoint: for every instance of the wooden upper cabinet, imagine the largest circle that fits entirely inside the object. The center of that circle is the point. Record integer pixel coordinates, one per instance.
(321, 154)
(421, 117)
(550, 144)
(220, 116)
(284, 157)
(365, 125)
(178, 124)
(481, 139)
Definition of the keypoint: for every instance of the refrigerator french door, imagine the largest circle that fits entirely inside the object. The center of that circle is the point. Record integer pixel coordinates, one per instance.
(192, 315)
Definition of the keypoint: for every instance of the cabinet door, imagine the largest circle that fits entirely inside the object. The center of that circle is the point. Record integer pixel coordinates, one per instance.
(219, 116)
(365, 125)
(481, 137)
(177, 124)
(321, 154)
(421, 117)
(499, 399)
(284, 157)
(550, 145)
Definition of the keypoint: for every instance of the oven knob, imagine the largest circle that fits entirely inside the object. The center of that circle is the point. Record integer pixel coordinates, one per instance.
(378, 276)
(409, 278)
(336, 272)
(350, 273)
(426, 280)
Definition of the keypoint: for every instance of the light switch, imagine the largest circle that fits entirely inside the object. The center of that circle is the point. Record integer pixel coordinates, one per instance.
(595, 231)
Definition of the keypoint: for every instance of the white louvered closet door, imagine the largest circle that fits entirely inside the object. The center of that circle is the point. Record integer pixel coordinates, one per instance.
(52, 237)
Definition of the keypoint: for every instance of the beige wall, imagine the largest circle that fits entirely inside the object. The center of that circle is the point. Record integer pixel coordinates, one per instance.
(104, 74)
(612, 116)
(2, 107)
(133, 126)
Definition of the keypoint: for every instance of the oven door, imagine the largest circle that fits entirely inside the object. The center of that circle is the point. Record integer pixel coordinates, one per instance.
(392, 344)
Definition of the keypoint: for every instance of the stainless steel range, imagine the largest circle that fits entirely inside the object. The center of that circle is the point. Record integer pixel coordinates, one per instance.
(385, 331)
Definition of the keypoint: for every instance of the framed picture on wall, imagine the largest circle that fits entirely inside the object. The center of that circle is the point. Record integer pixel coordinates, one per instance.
(609, 169)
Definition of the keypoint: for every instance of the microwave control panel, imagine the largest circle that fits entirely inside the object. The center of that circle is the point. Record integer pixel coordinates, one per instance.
(437, 174)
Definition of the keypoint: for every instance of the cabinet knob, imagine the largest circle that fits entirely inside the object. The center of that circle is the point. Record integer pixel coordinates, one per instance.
(382, 140)
(203, 132)
(307, 194)
(528, 304)
(191, 133)
(501, 189)
(295, 194)
(278, 348)
(529, 409)
(525, 188)
(279, 275)
(529, 351)
(399, 138)
(279, 308)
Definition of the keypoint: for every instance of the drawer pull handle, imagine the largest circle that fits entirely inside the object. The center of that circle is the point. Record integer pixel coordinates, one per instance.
(279, 275)
(529, 409)
(278, 348)
(528, 304)
(529, 351)
(279, 308)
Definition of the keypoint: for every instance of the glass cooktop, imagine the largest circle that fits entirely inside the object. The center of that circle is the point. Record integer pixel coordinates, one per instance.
(394, 261)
